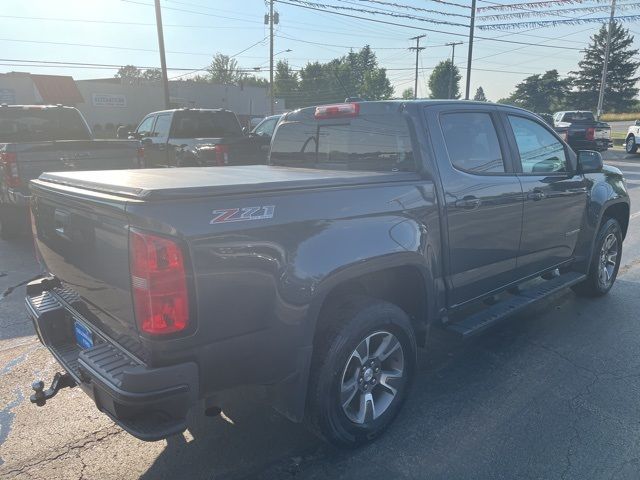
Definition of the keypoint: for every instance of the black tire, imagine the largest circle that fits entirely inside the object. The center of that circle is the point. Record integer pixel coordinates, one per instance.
(599, 281)
(630, 145)
(10, 225)
(344, 327)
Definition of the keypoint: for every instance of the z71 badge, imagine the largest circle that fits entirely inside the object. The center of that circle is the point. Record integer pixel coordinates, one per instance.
(242, 214)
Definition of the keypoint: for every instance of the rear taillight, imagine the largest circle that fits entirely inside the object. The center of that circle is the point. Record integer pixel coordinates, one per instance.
(339, 110)
(591, 133)
(222, 154)
(9, 164)
(159, 284)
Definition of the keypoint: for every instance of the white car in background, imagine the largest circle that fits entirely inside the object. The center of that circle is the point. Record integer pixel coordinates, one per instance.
(633, 137)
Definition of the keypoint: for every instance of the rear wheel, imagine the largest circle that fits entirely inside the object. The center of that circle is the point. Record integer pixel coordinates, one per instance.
(362, 368)
(605, 261)
(631, 146)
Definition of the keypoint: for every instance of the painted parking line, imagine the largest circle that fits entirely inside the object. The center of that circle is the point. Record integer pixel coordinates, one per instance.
(634, 215)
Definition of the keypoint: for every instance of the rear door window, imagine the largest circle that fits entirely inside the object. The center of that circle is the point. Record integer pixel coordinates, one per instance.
(41, 124)
(472, 142)
(367, 143)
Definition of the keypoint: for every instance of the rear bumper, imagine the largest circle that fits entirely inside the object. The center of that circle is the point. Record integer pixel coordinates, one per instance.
(599, 144)
(149, 403)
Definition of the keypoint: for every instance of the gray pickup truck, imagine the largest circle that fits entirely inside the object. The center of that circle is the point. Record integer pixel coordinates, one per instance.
(582, 131)
(198, 137)
(36, 139)
(319, 275)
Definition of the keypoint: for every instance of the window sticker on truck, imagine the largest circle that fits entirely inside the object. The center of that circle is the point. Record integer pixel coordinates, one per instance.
(242, 214)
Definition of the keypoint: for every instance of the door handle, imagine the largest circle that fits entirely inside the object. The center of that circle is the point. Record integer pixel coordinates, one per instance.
(536, 195)
(468, 203)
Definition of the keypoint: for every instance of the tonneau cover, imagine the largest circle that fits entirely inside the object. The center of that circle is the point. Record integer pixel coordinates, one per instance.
(166, 183)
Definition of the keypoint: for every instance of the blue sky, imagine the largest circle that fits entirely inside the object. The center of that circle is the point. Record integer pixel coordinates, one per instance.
(196, 29)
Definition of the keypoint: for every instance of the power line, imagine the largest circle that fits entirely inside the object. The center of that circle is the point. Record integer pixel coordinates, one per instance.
(417, 9)
(93, 45)
(555, 13)
(230, 56)
(554, 23)
(190, 11)
(337, 46)
(118, 22)
(527, 5)
(376, 12)
(413, 27)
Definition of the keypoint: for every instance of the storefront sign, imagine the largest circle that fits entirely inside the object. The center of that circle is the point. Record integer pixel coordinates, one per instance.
(109, 100)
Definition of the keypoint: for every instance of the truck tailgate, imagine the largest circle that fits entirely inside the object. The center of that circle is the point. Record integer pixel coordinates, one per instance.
(64, 155)
(82, 238)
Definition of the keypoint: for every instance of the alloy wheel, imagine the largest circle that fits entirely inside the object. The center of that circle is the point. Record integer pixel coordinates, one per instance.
(608, 260)
(372, 377)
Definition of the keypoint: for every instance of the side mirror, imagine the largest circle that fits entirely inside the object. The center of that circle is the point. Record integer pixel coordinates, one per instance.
(589, 161)
(637, 123)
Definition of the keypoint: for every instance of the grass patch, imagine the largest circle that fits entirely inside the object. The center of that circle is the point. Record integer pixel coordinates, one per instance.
(618, 135)
(619, 117)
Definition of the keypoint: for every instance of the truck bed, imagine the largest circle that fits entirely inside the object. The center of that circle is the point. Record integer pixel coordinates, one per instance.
(161, 183)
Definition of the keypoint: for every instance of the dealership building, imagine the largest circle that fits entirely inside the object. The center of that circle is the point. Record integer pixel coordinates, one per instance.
(114, 101)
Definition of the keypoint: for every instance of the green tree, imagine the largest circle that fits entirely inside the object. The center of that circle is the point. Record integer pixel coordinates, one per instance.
(152, 74)
(541, 93)
(621, 77)
(441, 79)
(480, 96)
(355, 74)
(129, 72)
(407, 94)
(253, 81)
(224, 70)
(286, 84)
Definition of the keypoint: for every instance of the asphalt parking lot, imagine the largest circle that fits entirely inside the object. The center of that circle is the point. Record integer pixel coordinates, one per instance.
(553, 393)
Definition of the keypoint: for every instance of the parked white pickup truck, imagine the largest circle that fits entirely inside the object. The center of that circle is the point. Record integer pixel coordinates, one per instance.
(633, 136)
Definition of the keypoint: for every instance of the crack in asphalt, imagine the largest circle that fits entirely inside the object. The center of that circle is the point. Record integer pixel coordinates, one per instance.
(70, 448)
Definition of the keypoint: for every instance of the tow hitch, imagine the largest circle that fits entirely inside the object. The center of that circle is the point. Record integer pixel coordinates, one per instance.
(41, 395)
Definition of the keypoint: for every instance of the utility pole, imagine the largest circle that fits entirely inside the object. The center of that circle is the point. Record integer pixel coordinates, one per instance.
(605, 65)
(453, 57)
(163, 60)
(271, 99)
(418, 49)
(470, 54)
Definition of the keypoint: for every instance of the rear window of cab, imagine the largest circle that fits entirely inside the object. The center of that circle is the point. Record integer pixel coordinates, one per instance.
(370, 142)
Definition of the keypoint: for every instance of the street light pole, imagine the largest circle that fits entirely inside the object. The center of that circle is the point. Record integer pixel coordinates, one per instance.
(605, 65)
(163, 61)
(271, 99)
(451, 72)
(417, 48)
(470, 54)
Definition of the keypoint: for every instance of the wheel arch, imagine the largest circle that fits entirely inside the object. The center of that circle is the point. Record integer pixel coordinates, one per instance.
(405, 273)
(619, 211)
